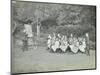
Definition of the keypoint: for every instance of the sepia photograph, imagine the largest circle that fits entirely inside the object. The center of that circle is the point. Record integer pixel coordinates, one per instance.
(52, 37)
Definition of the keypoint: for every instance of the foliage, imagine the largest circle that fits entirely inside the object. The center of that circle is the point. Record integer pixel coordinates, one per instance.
(80, 18)
(61, 13)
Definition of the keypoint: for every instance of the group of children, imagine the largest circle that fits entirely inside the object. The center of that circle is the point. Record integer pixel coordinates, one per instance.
(62, 42)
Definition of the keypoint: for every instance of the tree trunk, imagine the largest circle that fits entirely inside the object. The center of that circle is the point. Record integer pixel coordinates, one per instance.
(38, 31)
(38, 28)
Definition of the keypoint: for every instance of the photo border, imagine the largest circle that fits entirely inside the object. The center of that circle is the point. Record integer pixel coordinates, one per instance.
(58, 70)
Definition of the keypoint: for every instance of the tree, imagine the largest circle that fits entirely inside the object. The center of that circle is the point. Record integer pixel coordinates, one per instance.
(38, 27)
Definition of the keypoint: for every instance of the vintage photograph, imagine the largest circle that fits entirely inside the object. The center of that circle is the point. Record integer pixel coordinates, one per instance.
(52, 37)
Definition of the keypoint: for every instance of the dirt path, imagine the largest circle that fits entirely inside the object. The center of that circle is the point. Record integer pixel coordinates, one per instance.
(37, 60)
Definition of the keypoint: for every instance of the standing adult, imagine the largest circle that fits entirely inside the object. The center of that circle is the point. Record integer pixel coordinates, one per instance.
(87, 44)
(28, 31)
